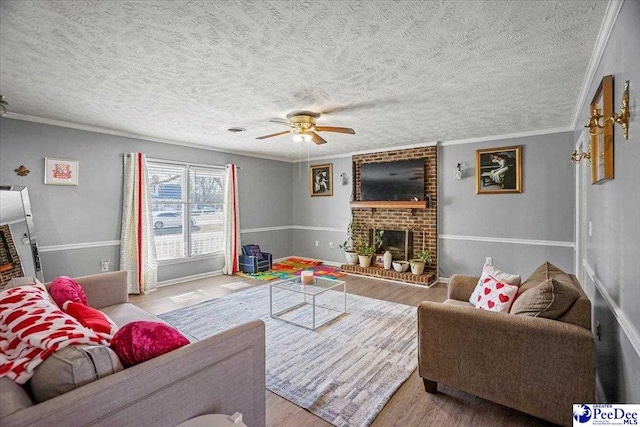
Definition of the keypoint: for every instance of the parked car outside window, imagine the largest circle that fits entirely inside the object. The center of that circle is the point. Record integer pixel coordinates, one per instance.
(169, 219)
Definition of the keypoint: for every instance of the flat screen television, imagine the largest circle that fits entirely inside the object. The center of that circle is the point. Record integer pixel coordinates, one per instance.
(387, 181)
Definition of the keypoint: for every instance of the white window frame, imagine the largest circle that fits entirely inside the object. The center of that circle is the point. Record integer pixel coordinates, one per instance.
(186, 203)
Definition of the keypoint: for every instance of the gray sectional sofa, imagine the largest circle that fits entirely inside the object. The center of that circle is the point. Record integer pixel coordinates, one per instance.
(223, 373)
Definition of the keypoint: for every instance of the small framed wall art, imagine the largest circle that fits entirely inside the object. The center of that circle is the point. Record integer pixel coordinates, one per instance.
(499, 170)
(60, 172)
(321, 180)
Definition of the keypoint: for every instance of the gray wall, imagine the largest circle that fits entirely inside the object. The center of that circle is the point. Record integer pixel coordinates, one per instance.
(91, 212)
(544, 211)
(613, 208)
(328, 216)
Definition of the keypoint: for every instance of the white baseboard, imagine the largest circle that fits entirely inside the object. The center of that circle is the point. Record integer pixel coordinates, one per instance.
(601, 397)
(189, 278)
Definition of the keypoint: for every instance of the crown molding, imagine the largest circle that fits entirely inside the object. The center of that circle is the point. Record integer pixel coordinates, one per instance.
(506, 136)
(106, 131)
(610, 16)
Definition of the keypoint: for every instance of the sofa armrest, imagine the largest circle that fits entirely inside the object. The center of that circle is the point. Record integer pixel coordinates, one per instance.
(461, 287)
(223, 373)
(539, 366)
(105, 289)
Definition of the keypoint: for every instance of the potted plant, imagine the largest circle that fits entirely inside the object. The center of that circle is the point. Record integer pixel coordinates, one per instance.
(417, 264)
(347, 246)
(365, 250)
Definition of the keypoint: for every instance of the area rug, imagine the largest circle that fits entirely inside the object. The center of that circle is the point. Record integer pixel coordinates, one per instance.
(344, 372)
(292, 267)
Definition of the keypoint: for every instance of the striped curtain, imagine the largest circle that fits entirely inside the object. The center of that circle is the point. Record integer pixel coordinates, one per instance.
(137, 248)
(231, 220)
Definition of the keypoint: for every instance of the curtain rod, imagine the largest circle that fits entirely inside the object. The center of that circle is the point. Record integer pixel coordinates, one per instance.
(153, 159)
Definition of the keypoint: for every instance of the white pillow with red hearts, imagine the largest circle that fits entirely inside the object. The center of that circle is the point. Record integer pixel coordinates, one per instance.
(496, 296)
(489, 271)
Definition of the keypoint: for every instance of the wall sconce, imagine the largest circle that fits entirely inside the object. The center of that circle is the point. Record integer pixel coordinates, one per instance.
(577, 157)
(594, 121)
(623, 118)
(595, 124)
(344, 178)
(458, 172)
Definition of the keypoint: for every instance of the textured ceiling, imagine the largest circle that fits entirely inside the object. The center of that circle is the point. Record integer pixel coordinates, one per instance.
(398, 72)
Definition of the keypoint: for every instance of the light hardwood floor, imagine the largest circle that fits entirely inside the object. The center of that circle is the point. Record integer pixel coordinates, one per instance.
(409, 406)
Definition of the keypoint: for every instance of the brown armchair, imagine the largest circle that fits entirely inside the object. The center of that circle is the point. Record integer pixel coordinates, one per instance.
(535, 365)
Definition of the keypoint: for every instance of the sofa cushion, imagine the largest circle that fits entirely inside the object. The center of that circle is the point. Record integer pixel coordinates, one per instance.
(549, 299)
(137, 342)
(91, 318)
(64, 289)
(13, 397)
(72, 367)
(489, 271)
(545, 272)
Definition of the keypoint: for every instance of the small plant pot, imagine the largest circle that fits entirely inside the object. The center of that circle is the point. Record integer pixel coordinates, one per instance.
(400, 266)
(365, 261)
(417, 267)
(352, 258)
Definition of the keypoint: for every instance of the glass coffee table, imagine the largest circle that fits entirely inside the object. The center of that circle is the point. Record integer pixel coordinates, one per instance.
(308, 306)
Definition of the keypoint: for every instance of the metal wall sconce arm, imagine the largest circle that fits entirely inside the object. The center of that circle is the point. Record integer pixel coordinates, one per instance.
(577, 157)
(623, 117)
(596, 122)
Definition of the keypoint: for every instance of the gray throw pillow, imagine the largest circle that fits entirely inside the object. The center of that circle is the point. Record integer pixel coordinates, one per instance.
(549, 299)
(72, 367)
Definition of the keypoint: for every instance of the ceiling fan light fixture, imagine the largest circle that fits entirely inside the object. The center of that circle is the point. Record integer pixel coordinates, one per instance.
(302, 137)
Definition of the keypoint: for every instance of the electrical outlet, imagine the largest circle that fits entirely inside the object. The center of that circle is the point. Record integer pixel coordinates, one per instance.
(488, 261)
(317, 243)
(105, 264)
(590, 229)
(330, 245)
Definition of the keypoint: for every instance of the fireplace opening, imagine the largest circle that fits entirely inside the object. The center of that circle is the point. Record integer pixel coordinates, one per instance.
(398, 242)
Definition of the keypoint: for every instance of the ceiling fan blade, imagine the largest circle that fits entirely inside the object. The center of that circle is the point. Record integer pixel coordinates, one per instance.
(273, 134)
(361, 105)
(335, 129)
(281, 121)
(317, 138)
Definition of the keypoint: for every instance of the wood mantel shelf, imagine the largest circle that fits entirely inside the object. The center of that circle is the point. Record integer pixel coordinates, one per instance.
(395, 204)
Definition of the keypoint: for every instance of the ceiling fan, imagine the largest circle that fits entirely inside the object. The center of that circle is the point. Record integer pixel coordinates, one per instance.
(303, 127)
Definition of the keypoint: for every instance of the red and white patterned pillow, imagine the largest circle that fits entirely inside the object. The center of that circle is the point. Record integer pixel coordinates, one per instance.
(498, 275)
(495, 295)
(32, 328)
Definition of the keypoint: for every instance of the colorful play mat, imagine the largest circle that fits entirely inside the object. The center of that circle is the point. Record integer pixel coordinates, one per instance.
(291, 267)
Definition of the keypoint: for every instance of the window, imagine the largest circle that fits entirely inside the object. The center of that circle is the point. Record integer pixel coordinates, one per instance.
(184, 194)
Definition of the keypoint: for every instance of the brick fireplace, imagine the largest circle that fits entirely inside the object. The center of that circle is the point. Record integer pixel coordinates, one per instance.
(420, 221)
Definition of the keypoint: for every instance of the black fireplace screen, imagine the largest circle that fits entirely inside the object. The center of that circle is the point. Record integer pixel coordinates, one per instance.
(398, 242)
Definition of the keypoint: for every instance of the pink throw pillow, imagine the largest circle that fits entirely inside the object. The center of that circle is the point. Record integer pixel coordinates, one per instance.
(137, 342)
(65, 289)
